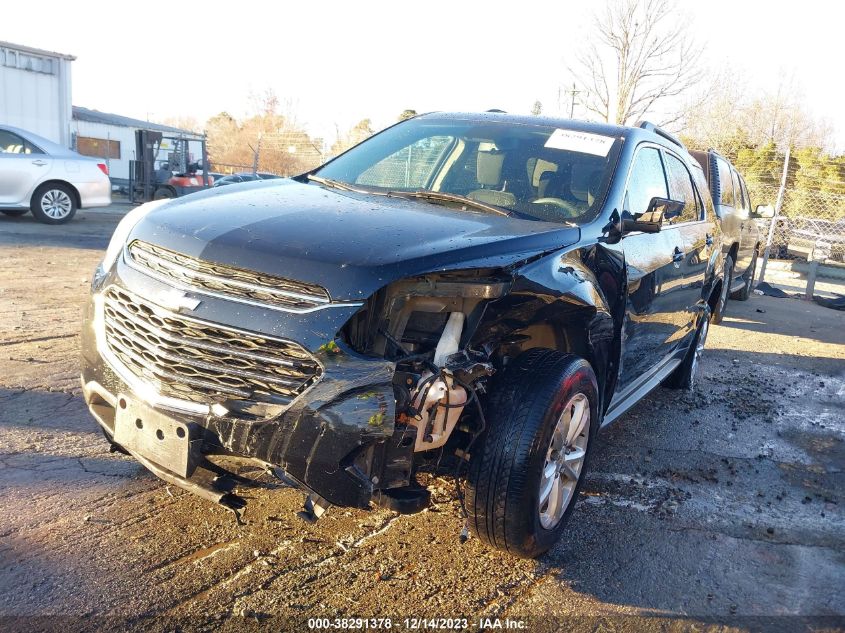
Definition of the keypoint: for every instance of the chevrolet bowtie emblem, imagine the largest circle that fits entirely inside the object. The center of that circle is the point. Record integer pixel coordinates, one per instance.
(176, 299)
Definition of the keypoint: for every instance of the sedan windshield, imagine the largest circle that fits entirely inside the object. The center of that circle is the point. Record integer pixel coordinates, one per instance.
(538, 171)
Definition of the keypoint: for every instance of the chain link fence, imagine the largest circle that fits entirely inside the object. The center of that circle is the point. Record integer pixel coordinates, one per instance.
(808, 238)
(811, 224)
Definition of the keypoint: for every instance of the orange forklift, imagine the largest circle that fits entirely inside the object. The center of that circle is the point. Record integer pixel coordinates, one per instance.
(166, 168)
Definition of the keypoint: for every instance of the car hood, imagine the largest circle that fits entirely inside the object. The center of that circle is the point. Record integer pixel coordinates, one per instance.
(352, 244)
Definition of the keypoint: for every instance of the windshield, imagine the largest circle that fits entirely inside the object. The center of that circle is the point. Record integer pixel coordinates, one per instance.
(537, 171)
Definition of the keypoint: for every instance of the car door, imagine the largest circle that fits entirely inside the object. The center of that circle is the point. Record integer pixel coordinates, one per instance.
(698, 237)
(748, 226)
(731, 223)
(22, 167)
(652, 260)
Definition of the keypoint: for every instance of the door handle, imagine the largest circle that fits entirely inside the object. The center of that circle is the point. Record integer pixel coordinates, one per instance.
(708, 239)
(39, 162)
(677, 256)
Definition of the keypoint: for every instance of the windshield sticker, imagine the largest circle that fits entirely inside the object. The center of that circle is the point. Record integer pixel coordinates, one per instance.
(582, 142)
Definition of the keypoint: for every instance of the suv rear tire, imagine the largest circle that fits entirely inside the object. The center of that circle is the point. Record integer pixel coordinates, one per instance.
(722, 303)
(743, 293)
(684, 375)
(524, 477)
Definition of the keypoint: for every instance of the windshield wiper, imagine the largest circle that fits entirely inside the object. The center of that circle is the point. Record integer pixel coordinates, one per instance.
(337, 184)
(449, 197)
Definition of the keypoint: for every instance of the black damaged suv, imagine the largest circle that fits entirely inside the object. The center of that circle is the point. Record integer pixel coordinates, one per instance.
(470, 293)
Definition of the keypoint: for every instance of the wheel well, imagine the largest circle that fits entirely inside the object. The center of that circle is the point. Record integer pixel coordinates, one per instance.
(74, 190)
(583, 333)
(715, 293)
(732, 253)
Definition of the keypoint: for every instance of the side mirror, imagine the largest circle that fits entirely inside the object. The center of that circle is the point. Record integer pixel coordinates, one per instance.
(659, 209)
(764, 211)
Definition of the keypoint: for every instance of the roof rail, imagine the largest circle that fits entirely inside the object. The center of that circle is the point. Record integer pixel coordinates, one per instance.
(496, 110)
(715, 151)
(648, 125)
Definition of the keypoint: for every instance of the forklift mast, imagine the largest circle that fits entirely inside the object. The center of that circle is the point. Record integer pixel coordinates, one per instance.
(153, 178)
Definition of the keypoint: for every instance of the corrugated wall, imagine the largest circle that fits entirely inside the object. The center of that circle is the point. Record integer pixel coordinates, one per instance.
(36, 101)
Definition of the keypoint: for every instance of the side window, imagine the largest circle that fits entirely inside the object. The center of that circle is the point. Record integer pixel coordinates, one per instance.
(645, 181)
(706, 199)
(681, 189)
(740, 199)
(746, 199)
(409, 168)
(12, 144)
(725, 183)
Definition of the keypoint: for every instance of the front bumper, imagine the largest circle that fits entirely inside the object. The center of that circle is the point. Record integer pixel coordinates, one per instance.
(337, 439)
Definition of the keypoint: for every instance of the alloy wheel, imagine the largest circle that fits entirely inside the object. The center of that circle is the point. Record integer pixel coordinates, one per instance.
(56, 204)
(701, 340)
(564, 460)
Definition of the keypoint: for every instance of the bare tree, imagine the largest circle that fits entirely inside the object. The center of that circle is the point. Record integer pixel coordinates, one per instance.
(643, 55)
(730, 118)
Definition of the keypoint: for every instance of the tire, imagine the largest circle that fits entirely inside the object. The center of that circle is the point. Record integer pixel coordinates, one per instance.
(743, 293)
(14, 213)
(721, 305)
(684, 375)
(525, 413)
(163, 193)
(53, 203)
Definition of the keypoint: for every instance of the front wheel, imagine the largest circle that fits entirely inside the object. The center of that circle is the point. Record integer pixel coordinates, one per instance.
(53, 203)
(164, 193)
(526, 474)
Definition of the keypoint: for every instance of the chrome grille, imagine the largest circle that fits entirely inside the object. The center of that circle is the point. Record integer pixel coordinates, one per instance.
(199, 361)
(227, 281)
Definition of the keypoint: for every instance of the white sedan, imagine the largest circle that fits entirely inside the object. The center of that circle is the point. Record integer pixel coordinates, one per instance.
(50, 180)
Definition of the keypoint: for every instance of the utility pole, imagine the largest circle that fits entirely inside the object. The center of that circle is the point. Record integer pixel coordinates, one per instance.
(255, 154)
(574, 92)
(778, 205)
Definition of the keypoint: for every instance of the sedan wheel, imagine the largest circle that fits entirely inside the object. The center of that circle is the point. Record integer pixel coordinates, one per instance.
(53, 204)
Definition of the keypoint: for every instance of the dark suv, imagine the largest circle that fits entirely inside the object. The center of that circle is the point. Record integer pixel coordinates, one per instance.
(740, 234)
(469, 293)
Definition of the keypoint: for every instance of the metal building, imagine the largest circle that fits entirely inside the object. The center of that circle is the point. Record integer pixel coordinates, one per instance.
(35, 91)
(112, 138)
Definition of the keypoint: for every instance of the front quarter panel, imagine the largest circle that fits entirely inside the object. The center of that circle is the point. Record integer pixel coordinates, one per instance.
(562, 301)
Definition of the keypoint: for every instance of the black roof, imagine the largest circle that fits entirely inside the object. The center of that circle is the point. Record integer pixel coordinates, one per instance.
(606, 129)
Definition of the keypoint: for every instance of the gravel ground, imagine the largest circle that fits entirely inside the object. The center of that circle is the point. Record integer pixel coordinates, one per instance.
(722, 505)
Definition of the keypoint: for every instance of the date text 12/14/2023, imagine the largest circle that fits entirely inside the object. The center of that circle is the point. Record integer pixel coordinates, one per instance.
(418, 624)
